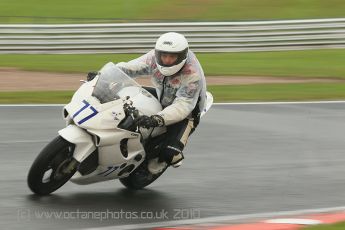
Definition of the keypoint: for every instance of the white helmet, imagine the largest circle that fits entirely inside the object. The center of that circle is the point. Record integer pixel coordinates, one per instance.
(172, 43)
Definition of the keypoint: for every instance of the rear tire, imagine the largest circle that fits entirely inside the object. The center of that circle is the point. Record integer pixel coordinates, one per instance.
(140, 177)
(49, 170)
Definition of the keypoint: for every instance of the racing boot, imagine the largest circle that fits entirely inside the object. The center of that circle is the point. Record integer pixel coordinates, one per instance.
(177, 160)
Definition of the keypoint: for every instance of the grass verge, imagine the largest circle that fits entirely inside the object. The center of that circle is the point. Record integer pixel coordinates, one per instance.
(278, 92)
(226, 93)
(309, 63)
(40, 97)
(84, 11)
(338, 226)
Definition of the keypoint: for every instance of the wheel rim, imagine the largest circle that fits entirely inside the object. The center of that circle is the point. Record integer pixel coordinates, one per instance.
(55, 170)
(143, 176)
(46, 176)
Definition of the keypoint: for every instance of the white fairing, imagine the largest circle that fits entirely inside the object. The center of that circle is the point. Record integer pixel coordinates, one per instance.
(93, 116)
(84, 144)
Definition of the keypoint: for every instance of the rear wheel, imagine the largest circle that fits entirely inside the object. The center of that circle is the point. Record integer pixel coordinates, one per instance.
(53, 167)
(140, 177)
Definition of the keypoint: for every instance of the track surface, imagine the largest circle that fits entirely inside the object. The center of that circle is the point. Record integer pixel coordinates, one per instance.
(243, 159)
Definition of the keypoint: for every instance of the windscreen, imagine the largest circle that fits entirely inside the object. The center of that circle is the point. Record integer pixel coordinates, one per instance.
(110, 82)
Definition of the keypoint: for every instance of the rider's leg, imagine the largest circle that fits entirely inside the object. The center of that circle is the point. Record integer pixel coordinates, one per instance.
(177, 137)
(176, 140)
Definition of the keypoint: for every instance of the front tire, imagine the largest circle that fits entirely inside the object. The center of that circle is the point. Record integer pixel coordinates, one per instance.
(140, 177)
(53, 167)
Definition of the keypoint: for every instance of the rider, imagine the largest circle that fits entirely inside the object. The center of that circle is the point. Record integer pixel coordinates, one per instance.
(180, 86)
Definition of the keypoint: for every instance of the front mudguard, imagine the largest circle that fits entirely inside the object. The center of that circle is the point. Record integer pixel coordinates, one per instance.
(82, 140)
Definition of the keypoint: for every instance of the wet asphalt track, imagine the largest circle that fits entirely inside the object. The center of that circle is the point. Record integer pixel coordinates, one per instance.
(243, 159)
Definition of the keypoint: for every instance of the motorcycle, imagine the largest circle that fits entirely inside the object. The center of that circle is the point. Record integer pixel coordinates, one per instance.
(101, 140)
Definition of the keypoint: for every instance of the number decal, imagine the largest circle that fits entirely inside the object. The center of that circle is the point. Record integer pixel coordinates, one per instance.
(86, 105)
(110, 170)
(80, 110)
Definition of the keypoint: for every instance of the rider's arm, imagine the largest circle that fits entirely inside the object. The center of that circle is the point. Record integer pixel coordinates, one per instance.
(139, 66)
(186, 99)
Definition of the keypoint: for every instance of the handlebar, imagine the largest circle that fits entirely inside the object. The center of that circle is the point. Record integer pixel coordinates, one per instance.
(129, 109)
(131, 120)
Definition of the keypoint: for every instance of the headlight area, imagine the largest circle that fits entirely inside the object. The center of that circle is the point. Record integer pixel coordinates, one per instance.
(97, 140)
(66, 116)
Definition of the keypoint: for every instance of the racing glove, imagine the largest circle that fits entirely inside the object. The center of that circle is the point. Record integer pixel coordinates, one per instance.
(150, 122)
(91, 75)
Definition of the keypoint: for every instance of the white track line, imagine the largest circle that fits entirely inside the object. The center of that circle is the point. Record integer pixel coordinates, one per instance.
(220, 219)
(225, 103)
(280, 103)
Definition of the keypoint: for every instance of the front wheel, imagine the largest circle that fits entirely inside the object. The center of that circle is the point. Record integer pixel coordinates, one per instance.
(53, 167)
(140, 177)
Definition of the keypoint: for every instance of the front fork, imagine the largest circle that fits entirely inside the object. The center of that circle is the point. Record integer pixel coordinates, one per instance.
(71, 166)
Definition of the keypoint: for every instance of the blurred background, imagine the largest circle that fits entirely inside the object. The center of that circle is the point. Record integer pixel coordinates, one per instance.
(250, 50)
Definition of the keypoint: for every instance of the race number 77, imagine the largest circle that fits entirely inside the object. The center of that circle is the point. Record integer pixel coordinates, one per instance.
(86, 105)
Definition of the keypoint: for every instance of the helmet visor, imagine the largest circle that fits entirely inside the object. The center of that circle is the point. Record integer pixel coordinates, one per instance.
(168, 59)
